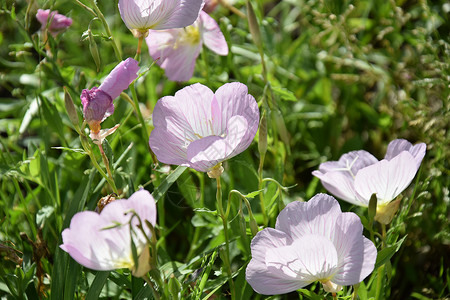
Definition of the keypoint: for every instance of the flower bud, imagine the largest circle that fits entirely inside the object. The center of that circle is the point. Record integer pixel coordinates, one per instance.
(70, 108)
(57, 22)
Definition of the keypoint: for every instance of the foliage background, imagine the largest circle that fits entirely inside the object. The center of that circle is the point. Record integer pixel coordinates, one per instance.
(345, 75)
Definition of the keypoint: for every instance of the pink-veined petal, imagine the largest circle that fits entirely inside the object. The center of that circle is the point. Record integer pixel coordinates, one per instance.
(120, 78)
(341, 185)
(386, 178)
(397, 146)
(212, 36)
(205, 153)
(93, 247)
(103, 241)
(357, 254)
(258, 275)
(317, 216)
(185, 14)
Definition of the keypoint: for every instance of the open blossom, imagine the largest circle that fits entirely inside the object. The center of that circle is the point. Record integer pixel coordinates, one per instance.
(98, 101)
(142, 15)
(312, 241)
(358, 174)
(57, 21)
(199, 129)
(176, 50)
(103, 241)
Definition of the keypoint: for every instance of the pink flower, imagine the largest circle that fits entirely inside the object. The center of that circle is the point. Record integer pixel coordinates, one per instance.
(312, 241)
(103, 241)
(141, 15)
(98, 101)
(358, 174)
(57, 21)
(200, 129)
(176, 50)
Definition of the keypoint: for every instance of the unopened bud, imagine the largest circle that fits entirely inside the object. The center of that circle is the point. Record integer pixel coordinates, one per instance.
(253, 25)
(372, 207)
(253, 225)
(94, 50)
(71, 110)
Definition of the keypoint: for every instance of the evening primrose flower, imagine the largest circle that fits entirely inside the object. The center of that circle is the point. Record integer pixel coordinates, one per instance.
(199, 129)
(141, 15)
(103, 241)
(176, 50)
(358, 174)
(98, 101)
(312, 241)
(57, 22)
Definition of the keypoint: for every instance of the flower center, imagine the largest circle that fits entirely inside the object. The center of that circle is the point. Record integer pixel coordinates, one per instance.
(190, 35)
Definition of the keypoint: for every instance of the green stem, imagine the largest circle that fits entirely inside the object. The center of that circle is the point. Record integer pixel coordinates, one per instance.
(108, 31)
(141, 120)
(138, 51)
(224, 217)
(138, 111)
(106, 163)
(380, 272)
(260, 187)
(87, 148)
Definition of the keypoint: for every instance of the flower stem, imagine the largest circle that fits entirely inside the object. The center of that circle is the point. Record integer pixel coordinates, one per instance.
(106, 162)
(108, 31)
(87, 148)
(224, 217)
(260, 186)
(138, 51)
(141, 120)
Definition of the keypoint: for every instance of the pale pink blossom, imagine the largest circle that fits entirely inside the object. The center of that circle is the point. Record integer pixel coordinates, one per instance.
(142, 15)
(103, 241)
(176, 50)
(199, 129)
(98, 101)
(358, 174)
(57, 22)
(312, 241)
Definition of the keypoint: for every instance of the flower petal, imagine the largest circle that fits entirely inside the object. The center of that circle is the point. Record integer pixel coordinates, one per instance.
(93, 247)
(317, 216)
(120, 78)
(257, 273)
(102, 241)
(386, 178)
(233, 99)
(357, 254)
(397, 146)
(207, 152)
(338, 176)
(341, 185)
(184, 14)
(211, 35)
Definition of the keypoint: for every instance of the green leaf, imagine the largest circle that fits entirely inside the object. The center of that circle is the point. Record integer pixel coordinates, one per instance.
(284, 94)
(167, 182)
(97, 285)
(109, 154)
(385, 254)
